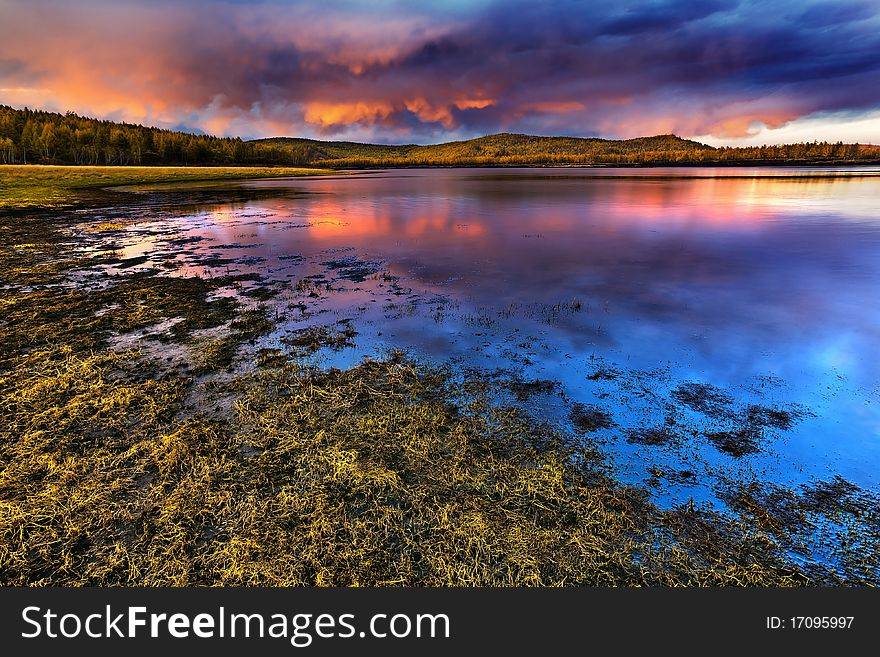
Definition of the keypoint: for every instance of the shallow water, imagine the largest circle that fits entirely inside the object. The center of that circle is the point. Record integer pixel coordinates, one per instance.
(618, 284)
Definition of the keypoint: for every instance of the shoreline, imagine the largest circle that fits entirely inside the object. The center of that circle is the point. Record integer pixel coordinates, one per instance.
(78, 184)
(162, 464)
(90, 185)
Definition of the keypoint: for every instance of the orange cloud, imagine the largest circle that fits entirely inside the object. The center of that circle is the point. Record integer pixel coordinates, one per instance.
(553, 106)
(474, 103)
(745, 125)
(332, 114)
(428, 112)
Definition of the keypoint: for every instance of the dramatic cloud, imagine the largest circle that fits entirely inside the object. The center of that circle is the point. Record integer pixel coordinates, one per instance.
(724, 70)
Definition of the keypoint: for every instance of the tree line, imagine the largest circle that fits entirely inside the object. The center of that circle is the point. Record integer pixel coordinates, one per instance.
(33, 136)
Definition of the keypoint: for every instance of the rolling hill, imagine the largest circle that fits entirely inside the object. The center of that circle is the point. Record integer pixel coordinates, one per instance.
(31, 136)
(499, 149)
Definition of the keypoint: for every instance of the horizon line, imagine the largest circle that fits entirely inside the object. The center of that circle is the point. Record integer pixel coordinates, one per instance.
(201, 133)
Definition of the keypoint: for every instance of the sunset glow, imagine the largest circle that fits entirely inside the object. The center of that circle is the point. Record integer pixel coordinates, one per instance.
(725, 71)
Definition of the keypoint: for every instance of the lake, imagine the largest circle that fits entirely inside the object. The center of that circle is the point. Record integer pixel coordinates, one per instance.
(711, 325)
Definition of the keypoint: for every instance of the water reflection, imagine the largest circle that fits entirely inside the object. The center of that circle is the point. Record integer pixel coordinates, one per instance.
(734, 257)
(758, 281)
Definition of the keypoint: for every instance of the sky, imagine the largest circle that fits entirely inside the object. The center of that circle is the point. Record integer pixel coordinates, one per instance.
(725, 72)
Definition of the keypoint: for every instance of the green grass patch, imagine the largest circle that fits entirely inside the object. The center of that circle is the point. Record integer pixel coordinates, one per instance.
(36, 186)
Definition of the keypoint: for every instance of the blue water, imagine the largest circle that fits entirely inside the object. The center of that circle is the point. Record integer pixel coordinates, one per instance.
(761, 282)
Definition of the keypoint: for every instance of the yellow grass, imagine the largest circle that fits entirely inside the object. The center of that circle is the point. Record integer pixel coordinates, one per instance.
(34, 186)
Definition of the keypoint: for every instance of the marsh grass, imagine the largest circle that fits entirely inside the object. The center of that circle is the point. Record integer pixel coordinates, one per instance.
(590, 418)
(220, 353)
(105, 226)
(378, 475)
(653, 436)
(34, 186)
(308, 340)
(87, 317)
(849, 515)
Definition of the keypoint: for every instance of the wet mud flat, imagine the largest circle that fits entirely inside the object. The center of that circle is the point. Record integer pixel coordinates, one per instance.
(186, 412)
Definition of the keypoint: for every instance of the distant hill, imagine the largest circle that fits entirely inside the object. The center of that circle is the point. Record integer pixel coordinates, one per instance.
(504, 148)
(30, 136)
(508, 149)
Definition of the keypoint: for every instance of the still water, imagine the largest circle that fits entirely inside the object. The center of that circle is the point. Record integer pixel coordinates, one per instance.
(619, 286)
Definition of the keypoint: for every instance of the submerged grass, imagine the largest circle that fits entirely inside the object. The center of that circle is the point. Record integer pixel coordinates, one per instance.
(89, 316)
(310, 339)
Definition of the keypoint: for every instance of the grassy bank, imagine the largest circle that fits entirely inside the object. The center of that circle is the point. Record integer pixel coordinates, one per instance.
(159, 466)
(38, 186)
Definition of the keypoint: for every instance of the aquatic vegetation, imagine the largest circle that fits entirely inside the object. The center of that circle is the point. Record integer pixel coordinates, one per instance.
(219, 353)
(353, 269)
(172, 464)
(737, 442)
(589, 418)
(312, 338)
(651, 436)
(703, 398)
(270, 357)
(778, 418)
(850, 515)
(750, 428)
(369, 476)
(312, 285)
(684, 477)
(105, 226)
(88, 316)
(603, 373)
(523, 390)
(252, 323)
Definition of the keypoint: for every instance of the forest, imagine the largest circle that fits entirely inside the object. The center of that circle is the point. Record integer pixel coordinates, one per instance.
(37, 137)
